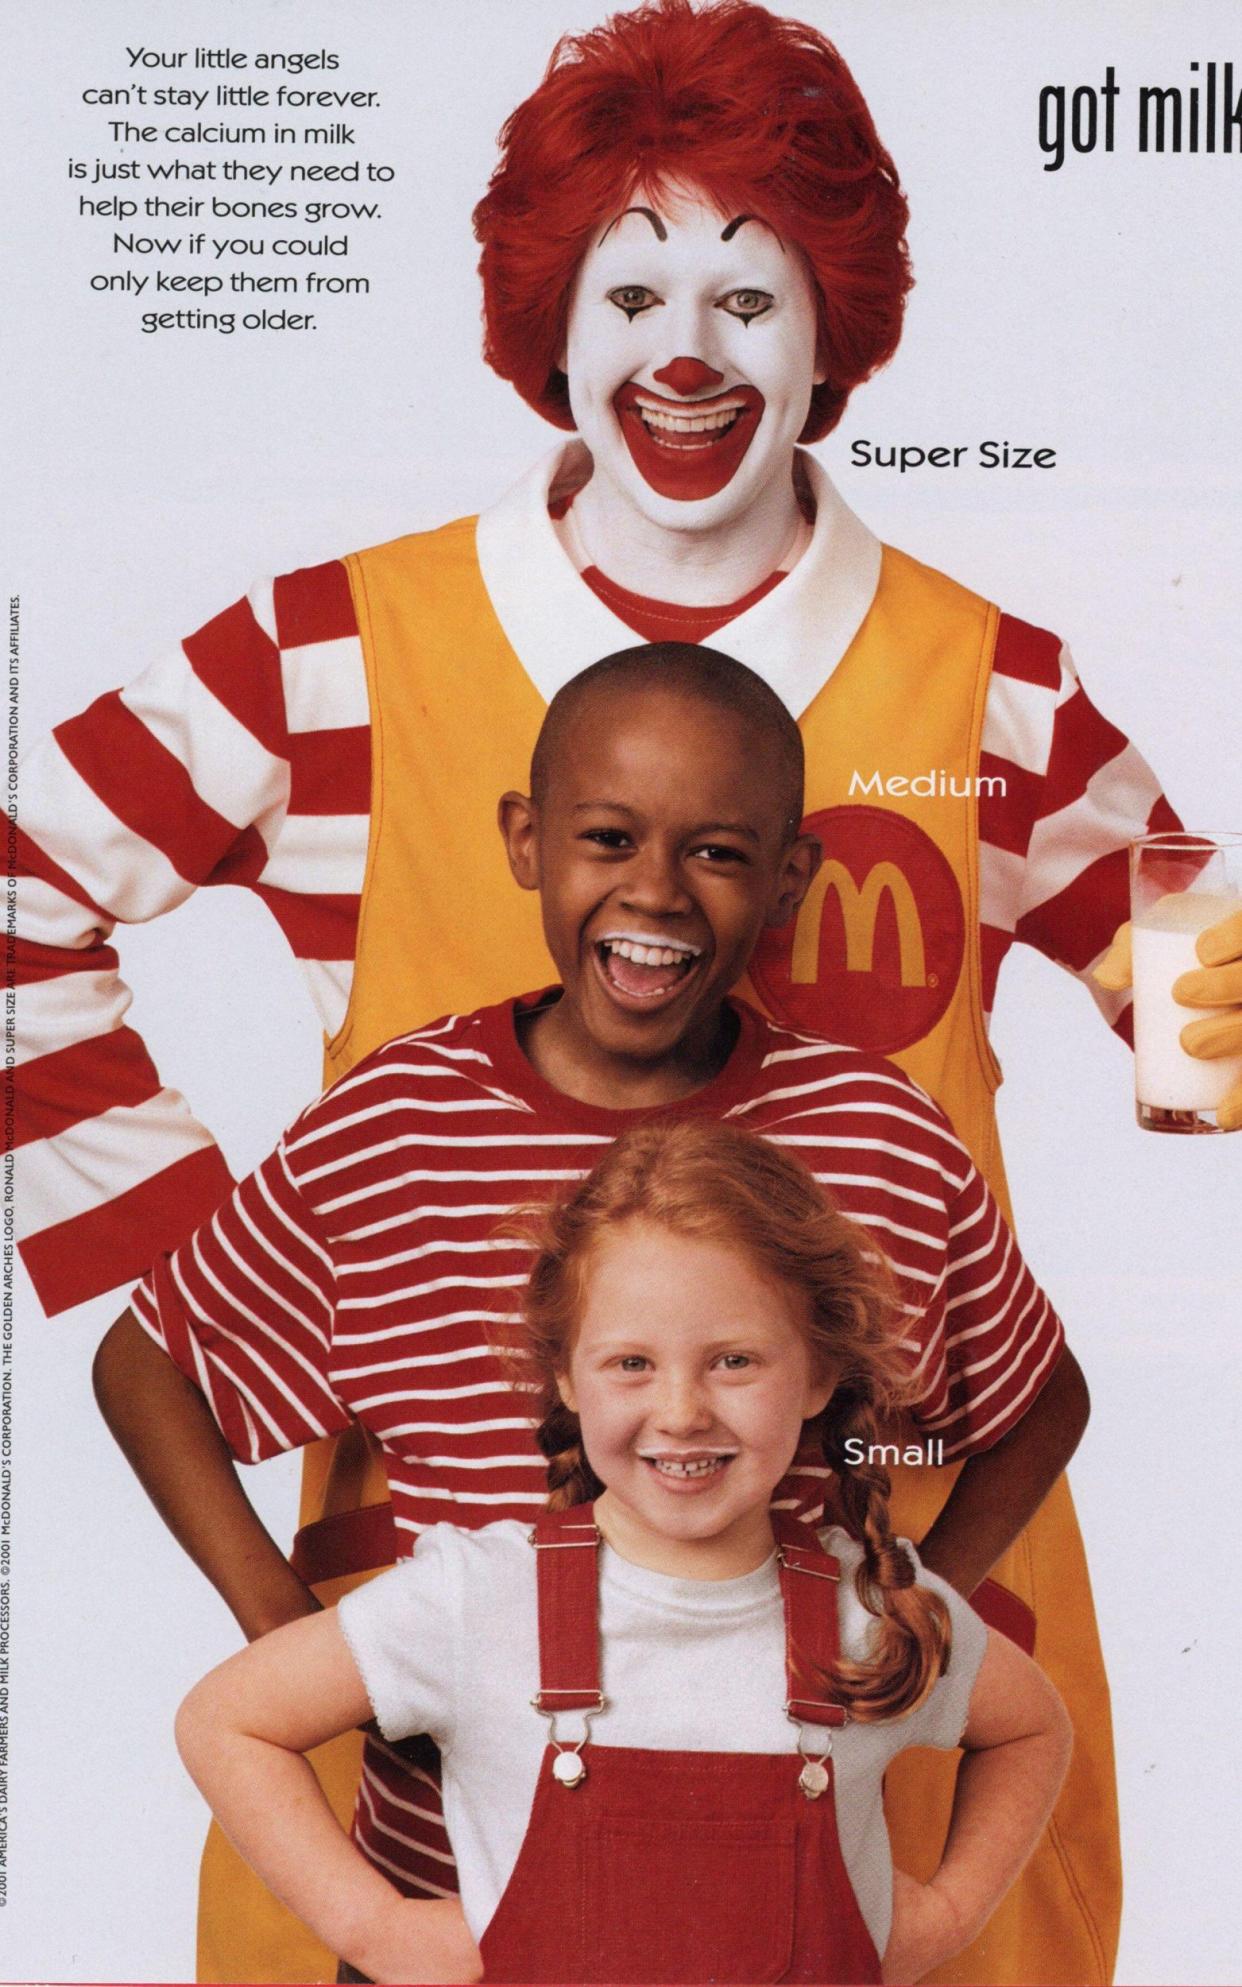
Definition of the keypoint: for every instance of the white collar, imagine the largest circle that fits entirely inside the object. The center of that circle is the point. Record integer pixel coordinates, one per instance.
(793, 637)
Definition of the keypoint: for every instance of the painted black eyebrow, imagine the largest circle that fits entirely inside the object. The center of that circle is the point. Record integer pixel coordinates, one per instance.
(657, 226)
(739, 221)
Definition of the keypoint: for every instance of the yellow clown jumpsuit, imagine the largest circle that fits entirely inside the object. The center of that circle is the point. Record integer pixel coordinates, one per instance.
(883, 953)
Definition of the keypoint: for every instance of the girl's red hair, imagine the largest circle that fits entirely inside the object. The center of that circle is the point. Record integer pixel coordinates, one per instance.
(703, 1178)
(758, 113)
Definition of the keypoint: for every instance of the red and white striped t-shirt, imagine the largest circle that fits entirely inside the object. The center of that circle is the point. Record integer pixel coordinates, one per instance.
(357, 1275)
(245, 759)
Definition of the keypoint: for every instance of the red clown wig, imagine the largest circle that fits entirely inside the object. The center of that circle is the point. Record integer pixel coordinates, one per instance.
(759, 114)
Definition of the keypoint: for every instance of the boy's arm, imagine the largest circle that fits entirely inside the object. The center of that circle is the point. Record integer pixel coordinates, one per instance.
(999, 1491)
(1017, 1742)
(241, 1733)
(227, 1353)
(170, 1438)
(996, 1383)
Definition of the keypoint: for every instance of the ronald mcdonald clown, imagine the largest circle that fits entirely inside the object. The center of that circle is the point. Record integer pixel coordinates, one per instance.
(692, 251)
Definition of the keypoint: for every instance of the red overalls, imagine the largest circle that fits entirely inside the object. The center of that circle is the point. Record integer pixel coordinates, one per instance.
(679, 1866)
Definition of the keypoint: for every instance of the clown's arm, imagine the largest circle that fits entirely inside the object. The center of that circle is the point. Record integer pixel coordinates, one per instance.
(241, 758)
(1068, 793)
(1065, 794)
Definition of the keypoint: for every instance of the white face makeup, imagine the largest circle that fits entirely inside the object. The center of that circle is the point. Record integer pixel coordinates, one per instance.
(691, 359)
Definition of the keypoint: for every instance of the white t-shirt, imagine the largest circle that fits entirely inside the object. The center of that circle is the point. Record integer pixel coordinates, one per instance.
(448, 1643)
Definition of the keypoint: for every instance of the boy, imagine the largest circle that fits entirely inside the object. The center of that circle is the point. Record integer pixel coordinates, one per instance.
(353, 1276)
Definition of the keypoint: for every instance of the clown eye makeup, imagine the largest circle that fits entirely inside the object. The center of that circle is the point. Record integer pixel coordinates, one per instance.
(747, 304)
(633, 299)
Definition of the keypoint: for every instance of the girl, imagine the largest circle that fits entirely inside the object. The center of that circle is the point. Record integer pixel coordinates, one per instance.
(666, 1713)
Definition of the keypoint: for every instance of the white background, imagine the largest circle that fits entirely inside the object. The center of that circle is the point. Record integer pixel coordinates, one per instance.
(149, 479)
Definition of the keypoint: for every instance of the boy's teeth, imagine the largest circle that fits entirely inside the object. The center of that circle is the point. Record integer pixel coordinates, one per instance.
(647, 955)
(644, 971)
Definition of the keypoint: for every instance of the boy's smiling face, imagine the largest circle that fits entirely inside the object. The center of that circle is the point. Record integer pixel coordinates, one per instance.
(661, 847)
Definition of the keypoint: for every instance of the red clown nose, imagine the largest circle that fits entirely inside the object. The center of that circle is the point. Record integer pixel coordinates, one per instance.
(688, 376)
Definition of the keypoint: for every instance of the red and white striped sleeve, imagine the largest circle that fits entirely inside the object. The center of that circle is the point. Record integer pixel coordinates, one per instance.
(981, 1336)
(989, 1341)
(241, 759)
(1064, 792)
(245, 1308)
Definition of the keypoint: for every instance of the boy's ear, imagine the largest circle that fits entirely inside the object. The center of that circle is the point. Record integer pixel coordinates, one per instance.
(802, 859)
(518, 820)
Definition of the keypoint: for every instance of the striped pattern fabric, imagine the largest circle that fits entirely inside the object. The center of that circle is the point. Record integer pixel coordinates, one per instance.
(1071, 793)
(245, 759)
(364, 1270)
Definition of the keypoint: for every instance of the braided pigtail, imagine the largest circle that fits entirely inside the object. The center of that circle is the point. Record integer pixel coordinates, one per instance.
(913, 1635)
(571, 1480)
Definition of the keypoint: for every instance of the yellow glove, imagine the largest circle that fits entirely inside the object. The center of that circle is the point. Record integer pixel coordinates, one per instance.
(1217, 983)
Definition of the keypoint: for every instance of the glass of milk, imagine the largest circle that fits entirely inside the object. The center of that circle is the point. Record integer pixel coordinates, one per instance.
(1179, 885)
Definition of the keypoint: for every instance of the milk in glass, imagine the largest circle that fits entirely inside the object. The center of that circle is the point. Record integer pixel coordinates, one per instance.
(1164, 947)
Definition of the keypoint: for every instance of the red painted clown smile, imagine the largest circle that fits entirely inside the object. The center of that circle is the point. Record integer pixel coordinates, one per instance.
(687, 449)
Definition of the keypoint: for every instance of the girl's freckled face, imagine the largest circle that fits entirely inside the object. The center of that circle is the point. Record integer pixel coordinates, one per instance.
(691, 1375)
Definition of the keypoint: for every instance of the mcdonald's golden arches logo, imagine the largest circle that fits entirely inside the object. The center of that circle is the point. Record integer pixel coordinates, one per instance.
(874, 954)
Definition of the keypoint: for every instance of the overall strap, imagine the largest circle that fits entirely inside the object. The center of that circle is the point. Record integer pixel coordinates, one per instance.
(809, 1578)
(567, 1573)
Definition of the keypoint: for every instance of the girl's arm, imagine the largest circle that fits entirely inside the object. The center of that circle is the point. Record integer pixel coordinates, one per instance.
(242, 1732)
(1017, 1744)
